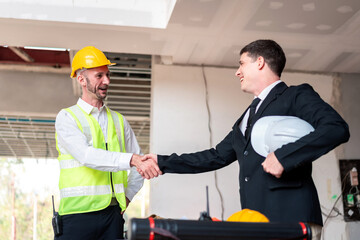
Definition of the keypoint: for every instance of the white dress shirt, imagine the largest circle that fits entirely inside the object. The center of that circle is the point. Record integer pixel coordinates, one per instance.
(261, 96)
(74, 142)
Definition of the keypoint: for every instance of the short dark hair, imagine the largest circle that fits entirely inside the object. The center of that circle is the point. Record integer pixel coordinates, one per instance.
(272, 53)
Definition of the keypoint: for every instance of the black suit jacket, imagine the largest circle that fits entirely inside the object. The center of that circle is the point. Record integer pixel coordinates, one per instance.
(293, 197)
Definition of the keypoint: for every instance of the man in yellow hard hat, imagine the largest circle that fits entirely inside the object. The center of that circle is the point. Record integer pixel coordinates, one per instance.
(97, 148)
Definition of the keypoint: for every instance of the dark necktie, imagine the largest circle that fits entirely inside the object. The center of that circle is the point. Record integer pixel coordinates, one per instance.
(252, 107)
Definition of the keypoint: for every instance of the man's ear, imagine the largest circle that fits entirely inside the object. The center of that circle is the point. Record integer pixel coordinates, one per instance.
(81, 80)
(260, 62)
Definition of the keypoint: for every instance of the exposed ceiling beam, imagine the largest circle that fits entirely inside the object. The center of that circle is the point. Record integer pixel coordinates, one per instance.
(21, 53)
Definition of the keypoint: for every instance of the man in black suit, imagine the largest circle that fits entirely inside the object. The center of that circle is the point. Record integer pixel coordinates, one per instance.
(280, 185)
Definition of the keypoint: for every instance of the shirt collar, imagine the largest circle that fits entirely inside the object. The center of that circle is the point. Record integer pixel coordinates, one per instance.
(89, 108)
(266, 91)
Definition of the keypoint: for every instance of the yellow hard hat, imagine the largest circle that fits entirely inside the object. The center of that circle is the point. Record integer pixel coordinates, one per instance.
(89, 57)
(247, 215)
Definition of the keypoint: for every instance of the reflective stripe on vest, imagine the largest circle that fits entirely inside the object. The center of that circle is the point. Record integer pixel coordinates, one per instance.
(84, 191)
(90, 190)
(80, 193)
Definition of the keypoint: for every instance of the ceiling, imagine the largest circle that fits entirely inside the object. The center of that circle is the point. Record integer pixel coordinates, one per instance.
(316, 35)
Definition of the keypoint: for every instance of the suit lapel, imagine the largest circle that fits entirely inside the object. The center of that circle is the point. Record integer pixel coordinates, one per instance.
(272, 96)
(236, 128)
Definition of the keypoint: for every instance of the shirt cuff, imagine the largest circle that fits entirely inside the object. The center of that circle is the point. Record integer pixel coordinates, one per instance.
(124, 160)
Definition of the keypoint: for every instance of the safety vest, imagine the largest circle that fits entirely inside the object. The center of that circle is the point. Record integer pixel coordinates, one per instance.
(83, 189)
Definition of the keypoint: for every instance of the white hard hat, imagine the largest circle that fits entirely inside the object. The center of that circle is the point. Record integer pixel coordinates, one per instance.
(271, 132)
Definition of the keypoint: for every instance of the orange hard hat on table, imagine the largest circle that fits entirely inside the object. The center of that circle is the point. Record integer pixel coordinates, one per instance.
(89, 57)
(247, 215)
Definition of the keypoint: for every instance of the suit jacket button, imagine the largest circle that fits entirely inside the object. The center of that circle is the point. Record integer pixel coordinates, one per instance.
(247, 179)
(246, 153)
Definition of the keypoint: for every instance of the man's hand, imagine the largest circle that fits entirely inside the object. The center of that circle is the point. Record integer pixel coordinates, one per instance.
(151, 156)
(147, 167)
(272, 165)
(148, 157)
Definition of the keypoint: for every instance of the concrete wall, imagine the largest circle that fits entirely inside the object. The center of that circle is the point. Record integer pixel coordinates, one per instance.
(350, 87)
(34, 93)
(180, 124)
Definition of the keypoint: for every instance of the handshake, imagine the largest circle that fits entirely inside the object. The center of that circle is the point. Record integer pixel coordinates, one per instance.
(146, 165)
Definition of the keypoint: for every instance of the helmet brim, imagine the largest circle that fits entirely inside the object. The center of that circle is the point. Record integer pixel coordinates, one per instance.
(73, 73)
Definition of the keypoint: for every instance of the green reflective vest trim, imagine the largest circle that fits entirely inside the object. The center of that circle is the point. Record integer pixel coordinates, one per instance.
(84, 189)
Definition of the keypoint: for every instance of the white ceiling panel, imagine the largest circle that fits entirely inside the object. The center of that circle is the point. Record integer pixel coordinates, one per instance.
(208, 32)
